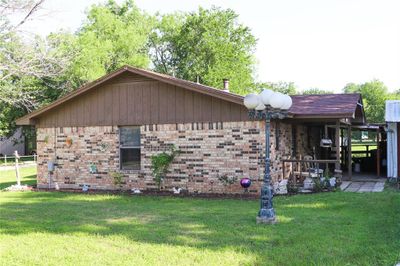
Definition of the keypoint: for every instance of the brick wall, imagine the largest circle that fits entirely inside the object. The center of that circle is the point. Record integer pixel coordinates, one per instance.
(209, 150)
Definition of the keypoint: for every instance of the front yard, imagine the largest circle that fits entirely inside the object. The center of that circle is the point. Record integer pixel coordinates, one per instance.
(42, 228)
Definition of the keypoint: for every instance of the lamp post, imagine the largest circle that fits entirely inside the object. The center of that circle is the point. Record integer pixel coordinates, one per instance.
(265, 106)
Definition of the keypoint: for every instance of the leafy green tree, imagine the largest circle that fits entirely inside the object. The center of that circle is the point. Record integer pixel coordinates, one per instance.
(207, 45)
(374, 94)
(113, 35)
(316, 91)
(162, 40)
(283, 87)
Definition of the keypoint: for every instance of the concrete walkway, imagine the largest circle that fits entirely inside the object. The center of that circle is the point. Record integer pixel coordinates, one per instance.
(360, 186)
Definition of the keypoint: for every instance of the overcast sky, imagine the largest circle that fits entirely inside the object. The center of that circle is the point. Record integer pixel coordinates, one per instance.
(313, 43)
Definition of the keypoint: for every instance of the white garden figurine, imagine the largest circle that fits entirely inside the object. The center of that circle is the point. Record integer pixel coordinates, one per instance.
(332, 181)
(308, 184)
(176, 190)
(136, 191)
(281, 187)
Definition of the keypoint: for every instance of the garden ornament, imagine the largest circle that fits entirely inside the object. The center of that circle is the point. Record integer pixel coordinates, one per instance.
(245, 182)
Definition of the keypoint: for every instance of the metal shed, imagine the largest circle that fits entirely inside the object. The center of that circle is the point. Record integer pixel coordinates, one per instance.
(392, 118)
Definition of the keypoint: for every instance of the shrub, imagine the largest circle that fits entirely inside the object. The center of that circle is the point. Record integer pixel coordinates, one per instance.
(117, 178)
(160, 164)
(227, 180)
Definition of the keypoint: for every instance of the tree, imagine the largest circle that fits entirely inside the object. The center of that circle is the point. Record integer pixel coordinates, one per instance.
(161, 41)
(315, 91)
(26, 67)
(288, 88)
(374, 94)
(112, 36)
(207, 45)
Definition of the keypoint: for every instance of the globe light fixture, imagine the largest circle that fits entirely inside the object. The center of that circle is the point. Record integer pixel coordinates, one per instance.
(277, 100)
(266, 106)
(251, 101)
(288, 102)
(266, 96)
(260, 106)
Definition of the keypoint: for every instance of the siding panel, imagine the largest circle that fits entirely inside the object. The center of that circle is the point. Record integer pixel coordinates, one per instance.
(115, 105)
(189, 108)
(134, 101)
(123, 108)
(138, 103)
(93, 107)
(154, 103)
(86, 113)
(146, 103)
(108, 108)
(101, 106)
(216, 110)
(171, 104)
(180, 104)
(163, 102)
(225, 111)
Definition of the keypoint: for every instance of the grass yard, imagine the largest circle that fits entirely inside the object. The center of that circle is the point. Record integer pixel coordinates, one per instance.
(8, 178)
(76, 229)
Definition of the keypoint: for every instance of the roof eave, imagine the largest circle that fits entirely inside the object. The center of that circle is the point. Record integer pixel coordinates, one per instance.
(330, 116)
(25, 121)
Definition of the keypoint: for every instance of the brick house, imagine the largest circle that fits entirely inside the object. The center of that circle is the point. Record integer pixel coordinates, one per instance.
(119, 121)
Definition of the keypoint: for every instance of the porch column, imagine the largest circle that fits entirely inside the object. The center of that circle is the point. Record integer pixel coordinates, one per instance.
(337, 144)
(349, 151)
(326, 152)
(378, 155)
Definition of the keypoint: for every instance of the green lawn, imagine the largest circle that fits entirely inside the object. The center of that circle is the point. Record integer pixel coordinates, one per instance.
(77, 229)
(8, 178)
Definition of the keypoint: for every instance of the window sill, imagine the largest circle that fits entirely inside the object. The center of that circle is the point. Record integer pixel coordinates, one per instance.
(126, 171)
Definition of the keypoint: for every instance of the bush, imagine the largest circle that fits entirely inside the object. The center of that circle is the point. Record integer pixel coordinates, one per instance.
(227, 180)
(160, 164)
(117, 178)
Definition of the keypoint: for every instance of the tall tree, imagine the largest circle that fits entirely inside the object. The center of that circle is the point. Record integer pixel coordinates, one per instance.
(374, 94)
(316, 91)
(162, 41)
(112, 36)
(26, 67)
(207, 45)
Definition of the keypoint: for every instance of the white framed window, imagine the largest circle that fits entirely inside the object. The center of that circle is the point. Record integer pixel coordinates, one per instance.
(129, 148)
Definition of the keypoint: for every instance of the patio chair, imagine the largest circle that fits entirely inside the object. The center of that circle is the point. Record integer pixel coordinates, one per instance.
(312, 168)
(307, 169)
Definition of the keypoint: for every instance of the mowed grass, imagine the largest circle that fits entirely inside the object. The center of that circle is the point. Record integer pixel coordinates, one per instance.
(43, 228)
(8, 177)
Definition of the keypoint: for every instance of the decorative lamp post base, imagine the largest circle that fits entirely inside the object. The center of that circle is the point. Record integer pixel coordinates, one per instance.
(266, 216)
(266, 220)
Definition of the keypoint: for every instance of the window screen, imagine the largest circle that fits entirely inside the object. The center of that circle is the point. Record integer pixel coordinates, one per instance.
(129, 148)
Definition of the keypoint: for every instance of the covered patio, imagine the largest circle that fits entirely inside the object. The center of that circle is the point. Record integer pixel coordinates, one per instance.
(332, 122)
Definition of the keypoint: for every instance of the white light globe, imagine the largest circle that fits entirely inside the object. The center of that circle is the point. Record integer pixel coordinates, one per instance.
(251, 101)
(277, 100)
(288, 102)
(260, 107)
(266, 96)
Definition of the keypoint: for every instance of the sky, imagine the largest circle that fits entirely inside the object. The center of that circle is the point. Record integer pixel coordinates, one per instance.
(314, 43)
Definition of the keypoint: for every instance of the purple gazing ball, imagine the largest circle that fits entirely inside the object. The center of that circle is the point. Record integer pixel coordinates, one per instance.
(245, 182)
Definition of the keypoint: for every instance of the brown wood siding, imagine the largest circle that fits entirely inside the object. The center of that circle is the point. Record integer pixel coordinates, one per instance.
(138, 101)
